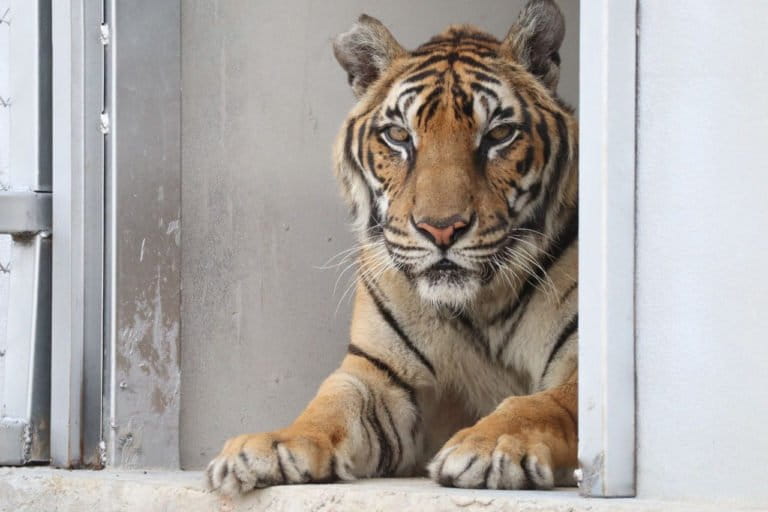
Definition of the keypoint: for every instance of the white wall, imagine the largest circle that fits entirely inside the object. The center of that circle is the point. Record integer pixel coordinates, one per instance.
(5, 127)
(702, 250)
(262, 101)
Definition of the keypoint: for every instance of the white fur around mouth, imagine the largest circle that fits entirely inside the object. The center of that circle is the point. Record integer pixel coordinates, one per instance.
(453, 288)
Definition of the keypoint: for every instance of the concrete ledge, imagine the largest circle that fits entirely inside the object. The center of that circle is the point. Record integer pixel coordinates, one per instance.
(49, 490)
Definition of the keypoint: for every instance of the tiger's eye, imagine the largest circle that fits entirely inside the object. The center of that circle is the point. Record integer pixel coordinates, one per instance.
(500, 133)
(398, 134)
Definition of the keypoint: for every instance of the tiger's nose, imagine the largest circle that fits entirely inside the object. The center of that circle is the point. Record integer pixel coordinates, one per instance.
(442, 232)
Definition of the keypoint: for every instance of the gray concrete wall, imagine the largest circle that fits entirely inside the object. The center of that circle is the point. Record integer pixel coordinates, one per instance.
(702, 219)
(261, 104)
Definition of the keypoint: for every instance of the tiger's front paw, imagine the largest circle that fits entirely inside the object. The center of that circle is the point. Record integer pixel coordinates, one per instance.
(261, 460)
(482, 458)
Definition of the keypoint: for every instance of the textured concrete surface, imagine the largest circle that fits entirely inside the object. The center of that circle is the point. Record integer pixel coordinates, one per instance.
(262, 100)
(49, 490)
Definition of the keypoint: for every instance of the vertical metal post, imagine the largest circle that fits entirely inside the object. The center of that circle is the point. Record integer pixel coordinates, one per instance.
(607, 248)
(142, 381)
(25, 214)
(78, 212)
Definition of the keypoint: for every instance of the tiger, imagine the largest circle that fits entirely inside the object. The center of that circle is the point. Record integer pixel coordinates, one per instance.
(459, 165)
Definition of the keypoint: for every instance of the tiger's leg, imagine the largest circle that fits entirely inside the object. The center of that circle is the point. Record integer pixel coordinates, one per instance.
(527, 442)
(363, 422)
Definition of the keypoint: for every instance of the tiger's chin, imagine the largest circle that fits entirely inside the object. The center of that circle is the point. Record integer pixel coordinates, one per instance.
(448, 288)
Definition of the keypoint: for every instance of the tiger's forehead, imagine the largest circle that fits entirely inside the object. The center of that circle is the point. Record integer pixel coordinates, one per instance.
(446, 80)
(455, 70)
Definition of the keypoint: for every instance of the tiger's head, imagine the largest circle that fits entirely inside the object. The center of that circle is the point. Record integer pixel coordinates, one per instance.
(457, 160)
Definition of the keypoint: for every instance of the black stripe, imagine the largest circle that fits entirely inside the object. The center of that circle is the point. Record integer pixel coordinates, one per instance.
(406, 248)
(432, 96)
(518, 312)
(526, 124)
(364, 423)
(500, 225)
(398, 454)
(485, 78)
(568, 292)
(563, 148)
(568, 235)
(485, 90)
(472, 62)
(426, 63)
(387, 315)
(529, 482)
(348, 141)
(524, 165)
(468, 465)
(385, 452)
(489, 245)
(280, 467)
(503, 112)
(372, 164)
(361, 143)
(479, 339)
(395, 230)
(333, 474)
(394, 114)
(565, 334)
(384, 367)
(415, 90)
(554, 180)
(431, 113)
(420, 76)
(374, 222)
(543, 130)
(460, 38)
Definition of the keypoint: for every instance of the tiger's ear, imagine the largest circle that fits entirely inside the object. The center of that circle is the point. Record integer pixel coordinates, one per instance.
(535, 38)
(365, 52)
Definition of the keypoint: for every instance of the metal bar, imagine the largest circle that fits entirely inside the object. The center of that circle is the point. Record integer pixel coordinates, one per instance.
(30, 64)
(143, 229)
(78, 213)
(26, 399)
(607, 248)
(25, 212)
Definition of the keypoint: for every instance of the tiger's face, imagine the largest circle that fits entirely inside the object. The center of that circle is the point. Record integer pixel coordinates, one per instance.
(452, 155)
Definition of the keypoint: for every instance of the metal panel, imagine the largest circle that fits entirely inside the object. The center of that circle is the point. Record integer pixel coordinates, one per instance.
(78, 145)
(607, 245)
(30, 30)
(26, 402)
(26, 209)
(143, 234)
(5, 240)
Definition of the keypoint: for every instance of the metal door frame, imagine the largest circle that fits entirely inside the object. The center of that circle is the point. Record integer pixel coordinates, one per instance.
(116, 213)
(117, 172)
(25, 214)
(607, 85)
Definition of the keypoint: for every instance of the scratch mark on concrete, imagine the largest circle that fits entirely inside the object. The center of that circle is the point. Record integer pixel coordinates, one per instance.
(174, 227)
